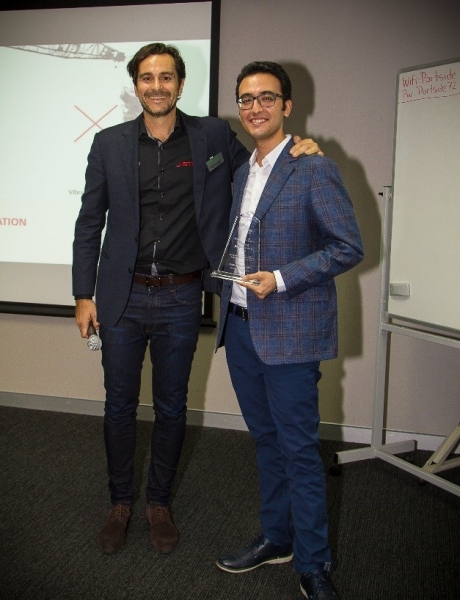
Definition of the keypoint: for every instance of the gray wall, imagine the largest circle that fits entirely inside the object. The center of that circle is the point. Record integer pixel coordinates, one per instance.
(343, 58)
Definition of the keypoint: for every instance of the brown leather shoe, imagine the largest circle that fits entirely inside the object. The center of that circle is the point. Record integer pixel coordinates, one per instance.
(164, 535)
(112, 535)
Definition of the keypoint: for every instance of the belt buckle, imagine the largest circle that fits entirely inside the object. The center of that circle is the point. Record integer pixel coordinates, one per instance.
(153, 281)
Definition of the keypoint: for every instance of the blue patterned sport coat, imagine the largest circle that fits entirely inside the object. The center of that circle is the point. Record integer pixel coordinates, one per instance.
(309, 232)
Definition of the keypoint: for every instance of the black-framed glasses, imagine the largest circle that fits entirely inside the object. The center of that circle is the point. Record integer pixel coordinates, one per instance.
(265, 100)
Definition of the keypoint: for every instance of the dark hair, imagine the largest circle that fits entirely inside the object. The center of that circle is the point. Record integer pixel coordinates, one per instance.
(271, 68)
(150, 50)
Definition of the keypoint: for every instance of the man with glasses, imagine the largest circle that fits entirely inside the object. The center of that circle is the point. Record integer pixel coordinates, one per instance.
(161, 187)
(294, 231)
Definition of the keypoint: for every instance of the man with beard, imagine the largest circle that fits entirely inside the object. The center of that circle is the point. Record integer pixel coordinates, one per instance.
(161, 186)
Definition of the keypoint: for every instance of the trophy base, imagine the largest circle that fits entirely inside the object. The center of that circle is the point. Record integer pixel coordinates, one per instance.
(232, 277)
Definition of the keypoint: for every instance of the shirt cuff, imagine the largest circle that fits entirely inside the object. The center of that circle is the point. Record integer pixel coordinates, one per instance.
(280, 287)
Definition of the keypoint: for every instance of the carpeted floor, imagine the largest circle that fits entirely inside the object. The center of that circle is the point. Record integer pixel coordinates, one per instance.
(392, 538)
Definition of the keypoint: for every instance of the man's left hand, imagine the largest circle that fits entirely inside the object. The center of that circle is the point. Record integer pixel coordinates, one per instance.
(265, 286)
(306, 146)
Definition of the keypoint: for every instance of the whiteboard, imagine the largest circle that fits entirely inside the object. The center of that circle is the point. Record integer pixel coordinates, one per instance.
(424, 271)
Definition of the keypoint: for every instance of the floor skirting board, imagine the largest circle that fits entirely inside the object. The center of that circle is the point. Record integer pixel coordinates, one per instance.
(328, 431)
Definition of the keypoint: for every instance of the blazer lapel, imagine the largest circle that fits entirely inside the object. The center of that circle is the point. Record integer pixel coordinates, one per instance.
(128, 145)
(239, 185)
(279, 175)
(198, 148)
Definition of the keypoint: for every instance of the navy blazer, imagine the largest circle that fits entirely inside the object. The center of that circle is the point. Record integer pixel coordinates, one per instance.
(309, 232)
(111, 200)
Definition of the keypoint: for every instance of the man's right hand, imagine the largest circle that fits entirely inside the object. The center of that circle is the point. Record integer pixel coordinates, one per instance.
(85, 313)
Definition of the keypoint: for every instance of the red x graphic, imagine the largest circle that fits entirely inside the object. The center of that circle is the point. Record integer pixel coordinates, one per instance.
(94, 123)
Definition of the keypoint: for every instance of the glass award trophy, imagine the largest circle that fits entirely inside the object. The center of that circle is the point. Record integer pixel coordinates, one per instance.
(241, 258)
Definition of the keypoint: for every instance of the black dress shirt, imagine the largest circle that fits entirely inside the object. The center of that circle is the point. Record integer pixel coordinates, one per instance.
(168, 230)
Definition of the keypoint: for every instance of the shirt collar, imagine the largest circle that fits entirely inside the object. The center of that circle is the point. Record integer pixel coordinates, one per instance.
(272, 156)
(178, 125)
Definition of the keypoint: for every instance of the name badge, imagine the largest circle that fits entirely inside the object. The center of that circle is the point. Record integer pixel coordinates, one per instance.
(214, 162)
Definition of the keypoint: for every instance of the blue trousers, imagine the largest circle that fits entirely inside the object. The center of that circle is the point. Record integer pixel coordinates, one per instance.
(279, 404)
(167, 319)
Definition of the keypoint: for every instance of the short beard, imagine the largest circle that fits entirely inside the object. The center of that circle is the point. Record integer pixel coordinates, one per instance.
(158, 114)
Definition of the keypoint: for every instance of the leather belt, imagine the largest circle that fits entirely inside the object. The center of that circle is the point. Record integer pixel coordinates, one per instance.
(239, 311)
(166, 280)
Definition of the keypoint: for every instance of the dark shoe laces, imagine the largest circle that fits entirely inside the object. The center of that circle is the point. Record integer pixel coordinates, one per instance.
(320, 582)
(259, 541)
(160, 513)
(118, 513)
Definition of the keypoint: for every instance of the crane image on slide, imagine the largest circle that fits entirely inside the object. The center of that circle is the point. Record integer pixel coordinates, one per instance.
(85, 51)
(90, 51)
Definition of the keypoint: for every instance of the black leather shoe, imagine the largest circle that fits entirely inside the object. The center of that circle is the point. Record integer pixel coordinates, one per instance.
(260, 552)
(315, 585)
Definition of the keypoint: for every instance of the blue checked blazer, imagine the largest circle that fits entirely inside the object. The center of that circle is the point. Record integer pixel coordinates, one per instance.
(309, 232)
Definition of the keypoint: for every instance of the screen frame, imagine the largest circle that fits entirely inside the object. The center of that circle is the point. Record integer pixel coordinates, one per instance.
(58, 310)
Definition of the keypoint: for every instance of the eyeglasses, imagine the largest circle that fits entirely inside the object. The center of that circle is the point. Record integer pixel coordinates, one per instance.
(265, 100)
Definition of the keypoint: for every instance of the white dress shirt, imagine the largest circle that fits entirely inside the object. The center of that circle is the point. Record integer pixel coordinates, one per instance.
(257, 178)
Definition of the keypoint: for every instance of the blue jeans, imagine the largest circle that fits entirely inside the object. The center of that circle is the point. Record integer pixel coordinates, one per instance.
(279, 404)
(168, 320)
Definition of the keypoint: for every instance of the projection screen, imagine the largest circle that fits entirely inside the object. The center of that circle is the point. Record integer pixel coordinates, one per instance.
(64, 78)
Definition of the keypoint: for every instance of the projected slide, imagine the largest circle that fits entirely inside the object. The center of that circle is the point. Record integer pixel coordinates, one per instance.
(56, 99)
(65, 79)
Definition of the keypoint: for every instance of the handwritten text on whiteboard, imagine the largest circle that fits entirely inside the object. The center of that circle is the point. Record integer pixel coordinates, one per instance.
(434, 82)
